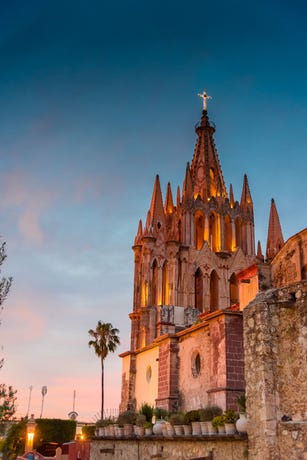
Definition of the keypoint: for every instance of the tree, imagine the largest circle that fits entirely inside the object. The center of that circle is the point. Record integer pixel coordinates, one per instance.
(5, 284)
(104, 340)
(7, 393)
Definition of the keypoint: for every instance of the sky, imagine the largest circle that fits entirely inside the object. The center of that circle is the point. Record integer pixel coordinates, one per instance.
(96, 98)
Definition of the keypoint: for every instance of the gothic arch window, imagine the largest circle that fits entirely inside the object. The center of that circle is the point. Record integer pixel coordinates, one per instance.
(304, 272)
(238, 225)
(154, 284)
(233, 290)
(199, 294)
(165, 293)
(214, 291)
(213, 231)
(199, 223)
(228, 233)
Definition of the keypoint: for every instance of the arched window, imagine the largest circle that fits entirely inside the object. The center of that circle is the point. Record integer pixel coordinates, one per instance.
(214, 291)
(199, 295)
(228, 233)
(199, 224)
(154, 284)
(304, 272)
(233, 290)
(238, 225)
(213, 232)
(165, 294)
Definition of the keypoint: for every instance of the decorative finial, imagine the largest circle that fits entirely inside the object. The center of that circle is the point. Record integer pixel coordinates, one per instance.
(204, 97)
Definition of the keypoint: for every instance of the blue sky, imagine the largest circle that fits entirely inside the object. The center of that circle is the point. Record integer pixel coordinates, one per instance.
(95, 100)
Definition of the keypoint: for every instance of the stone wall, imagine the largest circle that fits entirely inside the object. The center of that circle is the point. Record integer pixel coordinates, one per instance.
(151, 447)
(275, 345)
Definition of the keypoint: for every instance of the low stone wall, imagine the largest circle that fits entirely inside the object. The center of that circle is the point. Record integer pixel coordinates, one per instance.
(292, 440)
(219, 447)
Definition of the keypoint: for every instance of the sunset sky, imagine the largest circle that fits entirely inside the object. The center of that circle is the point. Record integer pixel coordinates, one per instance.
(96, 98)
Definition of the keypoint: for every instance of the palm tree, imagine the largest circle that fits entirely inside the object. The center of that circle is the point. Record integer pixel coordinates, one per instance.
(104, 340)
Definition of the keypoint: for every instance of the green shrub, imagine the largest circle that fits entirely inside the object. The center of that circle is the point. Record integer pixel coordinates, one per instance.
(230, 416)
(241, 400)
(208, 413)
(177, 419)
(140, 420)
(218, 420)
(147, 410)
(54, 430)
(127, 417)
(191, 416)
(160, 413)
(14, 443)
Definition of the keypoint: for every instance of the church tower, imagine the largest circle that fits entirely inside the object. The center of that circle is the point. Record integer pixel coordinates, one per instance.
(186, 258)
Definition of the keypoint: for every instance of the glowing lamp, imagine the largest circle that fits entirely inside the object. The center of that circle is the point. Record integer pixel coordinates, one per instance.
(30, 433)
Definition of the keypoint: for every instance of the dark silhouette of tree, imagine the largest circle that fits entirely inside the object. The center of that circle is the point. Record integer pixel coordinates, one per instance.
(104, 339)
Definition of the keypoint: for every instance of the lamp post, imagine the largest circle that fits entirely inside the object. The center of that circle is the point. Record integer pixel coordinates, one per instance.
(30, 434)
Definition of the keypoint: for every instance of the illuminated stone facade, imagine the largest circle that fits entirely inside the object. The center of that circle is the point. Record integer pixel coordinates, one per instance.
(186, 321)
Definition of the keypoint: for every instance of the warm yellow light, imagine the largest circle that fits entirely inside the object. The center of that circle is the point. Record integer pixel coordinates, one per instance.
(30, 437)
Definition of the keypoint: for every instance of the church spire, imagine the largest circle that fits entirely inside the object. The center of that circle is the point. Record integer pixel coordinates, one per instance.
(206, 172)
(156, 207)
(246, 202)
(275, 239)
(169, 205)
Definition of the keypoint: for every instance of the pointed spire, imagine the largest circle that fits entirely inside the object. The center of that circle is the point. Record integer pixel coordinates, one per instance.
(178, 197)
(259, 252)
(156, 207)
(246, 198)
(187, 190)
(139, 234)
(206, 172)
(275, 239)
(231, 197)
(169, 205)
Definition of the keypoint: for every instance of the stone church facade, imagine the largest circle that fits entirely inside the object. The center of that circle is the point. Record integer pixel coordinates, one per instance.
(195, 270)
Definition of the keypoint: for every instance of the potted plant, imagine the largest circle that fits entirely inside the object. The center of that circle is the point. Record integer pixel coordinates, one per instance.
(177, 421)
(207, 415)
(159, 416)
(193, 418)
(218, 422)
(126, 420)
(230, 417)
(148, 428)
(140, 421)
(241, 423)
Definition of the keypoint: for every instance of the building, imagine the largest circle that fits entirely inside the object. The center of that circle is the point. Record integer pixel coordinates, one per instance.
(195, 269)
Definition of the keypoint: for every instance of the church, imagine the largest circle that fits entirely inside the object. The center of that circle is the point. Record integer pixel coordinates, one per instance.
(195, 270)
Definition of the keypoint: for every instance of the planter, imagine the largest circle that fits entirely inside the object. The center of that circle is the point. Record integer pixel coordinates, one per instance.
(148, 431)
(135, 430)
(221, 429)
(119, 431)
(241, 424)
(230, 428)
(203, 428)
(170, 430)
(178, 430)
(211, 429)
(164, 429)
(101, 431)
(196, 430)
(157, 428)
(128, 429)
(141, 431)
(187, 430)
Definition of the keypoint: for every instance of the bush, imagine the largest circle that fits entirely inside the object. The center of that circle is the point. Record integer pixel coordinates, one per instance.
(177, 419)
(140, 420)
(127, 417)
(208, 413)
(241, 400)
(230, 416)
(14, 442)
(54, 430)
(191, 416)
(218, 420)
(147, 410)
(160, 413)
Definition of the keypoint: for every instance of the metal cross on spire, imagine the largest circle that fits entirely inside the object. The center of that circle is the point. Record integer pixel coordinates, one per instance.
(204, 97)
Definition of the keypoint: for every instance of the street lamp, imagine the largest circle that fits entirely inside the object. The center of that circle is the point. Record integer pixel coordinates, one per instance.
(30, 433)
